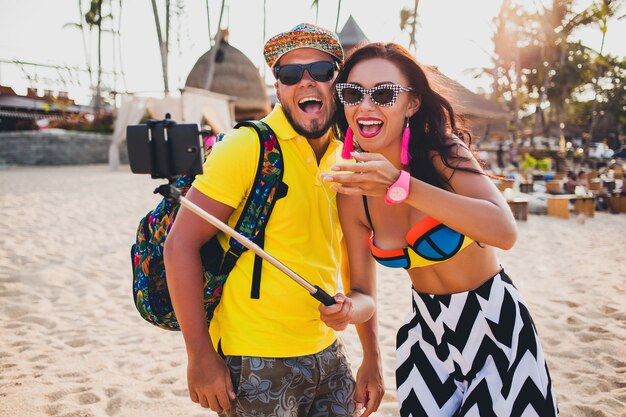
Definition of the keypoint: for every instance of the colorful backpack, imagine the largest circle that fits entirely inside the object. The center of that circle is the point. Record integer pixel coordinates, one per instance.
(150, 291)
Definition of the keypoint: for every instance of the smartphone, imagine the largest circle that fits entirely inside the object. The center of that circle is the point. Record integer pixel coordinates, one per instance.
(164, 149)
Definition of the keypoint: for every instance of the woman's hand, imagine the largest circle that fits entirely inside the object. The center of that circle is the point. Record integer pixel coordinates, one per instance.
(372, 176)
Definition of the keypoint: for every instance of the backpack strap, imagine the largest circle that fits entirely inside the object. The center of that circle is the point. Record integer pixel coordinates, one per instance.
(266, 189)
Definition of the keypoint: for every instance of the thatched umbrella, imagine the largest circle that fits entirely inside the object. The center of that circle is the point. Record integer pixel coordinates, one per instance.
(484, 117)
(234, 75)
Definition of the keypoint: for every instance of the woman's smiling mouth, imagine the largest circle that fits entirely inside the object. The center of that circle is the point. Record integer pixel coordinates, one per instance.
(369, 126)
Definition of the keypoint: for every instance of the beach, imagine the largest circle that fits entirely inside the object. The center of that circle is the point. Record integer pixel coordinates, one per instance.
(73, 345)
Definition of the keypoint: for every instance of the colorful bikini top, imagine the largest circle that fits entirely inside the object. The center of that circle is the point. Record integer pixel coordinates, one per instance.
(429, 242)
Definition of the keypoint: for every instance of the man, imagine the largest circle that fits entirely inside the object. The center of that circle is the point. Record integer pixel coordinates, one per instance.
(273, 355)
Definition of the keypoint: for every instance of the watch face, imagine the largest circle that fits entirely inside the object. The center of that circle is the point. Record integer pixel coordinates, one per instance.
(397, 194)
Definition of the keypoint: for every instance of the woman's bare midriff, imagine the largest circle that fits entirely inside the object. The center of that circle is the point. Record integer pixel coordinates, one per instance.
(468, 270)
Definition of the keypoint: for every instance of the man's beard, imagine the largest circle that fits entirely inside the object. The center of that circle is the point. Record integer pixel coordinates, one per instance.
(317, 129)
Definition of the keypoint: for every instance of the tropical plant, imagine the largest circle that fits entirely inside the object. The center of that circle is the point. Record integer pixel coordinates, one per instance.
(544, 164)
(603, 10)
(316, 4)
(164, 42)
(208, 18)
(95, 18)
(409, 22)
(528, 164)
(217, 39)
(609, 98)
(80, 26)
(338, 13)
(510, 38)
(535, 61)
(555, 78)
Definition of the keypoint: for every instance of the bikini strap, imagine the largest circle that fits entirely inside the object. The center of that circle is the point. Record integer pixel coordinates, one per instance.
(367, 212)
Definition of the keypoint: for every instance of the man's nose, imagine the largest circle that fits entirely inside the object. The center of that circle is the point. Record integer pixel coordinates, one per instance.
(306, 78)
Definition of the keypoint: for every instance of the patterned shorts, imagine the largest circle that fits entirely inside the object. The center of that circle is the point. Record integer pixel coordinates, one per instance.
(474, 353)
(318, 385)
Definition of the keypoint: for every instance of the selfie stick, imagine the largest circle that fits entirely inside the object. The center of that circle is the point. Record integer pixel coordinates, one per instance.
(315, 291)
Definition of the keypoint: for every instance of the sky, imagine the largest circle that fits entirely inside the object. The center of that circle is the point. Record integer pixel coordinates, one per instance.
(454, 35)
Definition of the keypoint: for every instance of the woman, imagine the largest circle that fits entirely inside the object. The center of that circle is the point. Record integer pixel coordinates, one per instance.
(418, 199)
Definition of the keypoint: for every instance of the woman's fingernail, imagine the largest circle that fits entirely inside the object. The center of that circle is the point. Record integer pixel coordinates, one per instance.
(335, 168)
(327, 178)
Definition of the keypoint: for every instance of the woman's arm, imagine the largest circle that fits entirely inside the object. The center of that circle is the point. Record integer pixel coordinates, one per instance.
(361, 287)
(474, 206)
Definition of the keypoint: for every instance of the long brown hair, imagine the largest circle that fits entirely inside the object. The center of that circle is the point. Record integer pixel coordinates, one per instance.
(432, 126)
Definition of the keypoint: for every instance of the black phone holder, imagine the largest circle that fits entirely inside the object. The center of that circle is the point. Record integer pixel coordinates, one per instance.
(165, 149)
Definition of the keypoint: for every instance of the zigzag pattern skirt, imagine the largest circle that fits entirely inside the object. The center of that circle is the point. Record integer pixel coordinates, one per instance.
(474, 353)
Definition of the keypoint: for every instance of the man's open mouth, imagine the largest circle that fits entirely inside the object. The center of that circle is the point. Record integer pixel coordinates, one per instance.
(310, 104)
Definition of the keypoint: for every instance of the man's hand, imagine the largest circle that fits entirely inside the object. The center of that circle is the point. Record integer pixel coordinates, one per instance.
(370, 387)
(339, 315)
(209, 382)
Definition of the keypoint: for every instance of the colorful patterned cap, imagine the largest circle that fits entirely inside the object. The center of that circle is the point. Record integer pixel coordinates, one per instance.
(305, 35)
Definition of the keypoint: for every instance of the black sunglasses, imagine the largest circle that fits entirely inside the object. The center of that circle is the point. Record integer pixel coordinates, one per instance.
(382, 95)
(291, 74)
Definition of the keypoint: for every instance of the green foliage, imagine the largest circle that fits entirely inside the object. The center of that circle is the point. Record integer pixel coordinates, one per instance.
(79, 122)
(94, 16)
(529, 163)
(544, 164)
(538, 49)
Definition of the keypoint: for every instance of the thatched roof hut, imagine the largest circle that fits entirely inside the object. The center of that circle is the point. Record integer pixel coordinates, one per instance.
(465, 101)
(234, 75)
(484, 117)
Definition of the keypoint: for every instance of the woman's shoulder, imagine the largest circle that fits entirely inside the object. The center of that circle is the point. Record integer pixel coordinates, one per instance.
(456, 141)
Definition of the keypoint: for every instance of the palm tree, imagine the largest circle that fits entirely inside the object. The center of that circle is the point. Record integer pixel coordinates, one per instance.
(208, 19)
(570, 60)
(511, 42)
(409, 18)
(316, 4)
(264, 31)
(79, 25)
(338, 13)
(547, 45)
(604, 10)
(163, 43)
(563, 55)
(94, 18)
(213, 52)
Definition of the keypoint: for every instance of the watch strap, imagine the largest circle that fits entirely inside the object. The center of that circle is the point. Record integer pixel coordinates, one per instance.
(395, 189)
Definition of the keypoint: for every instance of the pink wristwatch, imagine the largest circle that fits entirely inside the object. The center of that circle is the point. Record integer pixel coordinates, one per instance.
(399, 190)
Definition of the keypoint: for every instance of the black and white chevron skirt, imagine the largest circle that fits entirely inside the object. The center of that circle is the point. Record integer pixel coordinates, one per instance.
(474, 353)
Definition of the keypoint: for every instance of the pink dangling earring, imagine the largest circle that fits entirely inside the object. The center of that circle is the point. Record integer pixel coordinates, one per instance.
(348, 145)
(406, 136)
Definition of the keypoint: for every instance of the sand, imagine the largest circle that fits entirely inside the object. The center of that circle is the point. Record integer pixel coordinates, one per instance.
(72, 344)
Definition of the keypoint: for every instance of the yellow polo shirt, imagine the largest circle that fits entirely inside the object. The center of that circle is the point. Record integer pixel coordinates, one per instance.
(303, 233)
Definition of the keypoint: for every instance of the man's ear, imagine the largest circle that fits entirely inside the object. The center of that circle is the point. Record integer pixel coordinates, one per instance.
(414, 106)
